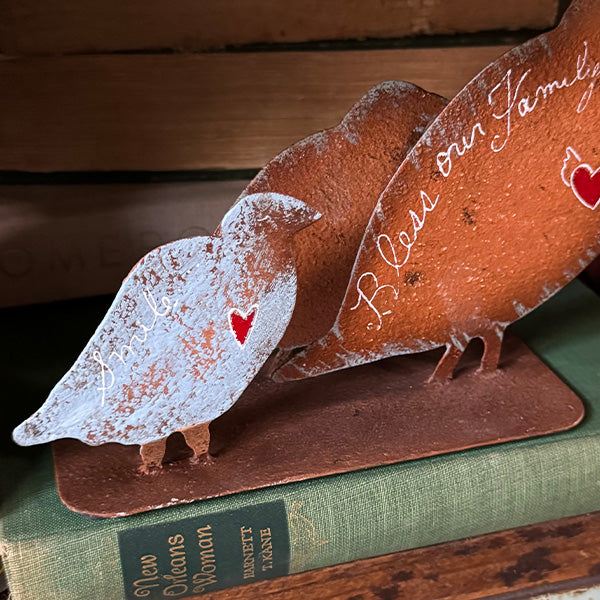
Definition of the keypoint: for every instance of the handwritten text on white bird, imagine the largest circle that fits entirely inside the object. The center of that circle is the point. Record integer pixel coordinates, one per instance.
(105, 367)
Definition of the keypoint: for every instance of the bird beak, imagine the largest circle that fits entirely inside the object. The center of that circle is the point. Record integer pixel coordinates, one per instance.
(315, 215)
(300, 214)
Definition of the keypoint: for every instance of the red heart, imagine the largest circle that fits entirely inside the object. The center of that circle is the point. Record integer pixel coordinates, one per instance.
(241, 324)
(586, 185)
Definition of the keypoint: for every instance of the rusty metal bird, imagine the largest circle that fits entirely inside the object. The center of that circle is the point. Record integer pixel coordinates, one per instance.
(495, 209)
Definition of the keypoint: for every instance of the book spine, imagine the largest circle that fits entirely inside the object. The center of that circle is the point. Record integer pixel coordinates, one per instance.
(93, 235)
(110, 26)
(334, 520)
(201, 547)
(171, 112)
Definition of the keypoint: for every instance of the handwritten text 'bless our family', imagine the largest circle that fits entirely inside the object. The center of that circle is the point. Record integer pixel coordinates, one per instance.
(508, 104)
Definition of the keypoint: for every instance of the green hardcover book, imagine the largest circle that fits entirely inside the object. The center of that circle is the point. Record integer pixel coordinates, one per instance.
(52, 553)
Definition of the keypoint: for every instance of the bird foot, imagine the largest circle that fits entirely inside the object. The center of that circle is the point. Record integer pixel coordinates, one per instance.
(149, 469)
(444, 370)
(198, 439)
(202, 459)
(152, 455)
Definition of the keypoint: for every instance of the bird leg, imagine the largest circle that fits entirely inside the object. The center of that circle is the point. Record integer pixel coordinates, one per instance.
(152, 455)
(492, 341)
(445, 368)
(198, 439)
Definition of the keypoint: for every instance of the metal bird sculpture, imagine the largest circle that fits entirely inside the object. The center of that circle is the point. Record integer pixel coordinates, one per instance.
(494, 210)
(341, 173)
(190, 327)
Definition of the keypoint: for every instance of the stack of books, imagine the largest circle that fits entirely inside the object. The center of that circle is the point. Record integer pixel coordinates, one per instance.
(118, 135)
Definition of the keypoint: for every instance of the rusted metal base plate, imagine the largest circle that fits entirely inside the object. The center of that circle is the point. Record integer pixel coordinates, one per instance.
(363, 417)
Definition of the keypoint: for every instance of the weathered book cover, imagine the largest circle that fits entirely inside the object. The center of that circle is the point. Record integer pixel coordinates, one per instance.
(53, 553)
(93, 234)
(111, 26)
(169, 112)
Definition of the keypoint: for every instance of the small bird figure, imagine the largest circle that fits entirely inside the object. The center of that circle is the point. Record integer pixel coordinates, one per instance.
(189, 329)
(491, 213)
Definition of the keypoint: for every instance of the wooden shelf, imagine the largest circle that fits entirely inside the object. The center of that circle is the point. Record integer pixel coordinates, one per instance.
(516, 564)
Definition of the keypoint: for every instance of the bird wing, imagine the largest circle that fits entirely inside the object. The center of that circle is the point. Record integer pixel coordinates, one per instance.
(132, 373)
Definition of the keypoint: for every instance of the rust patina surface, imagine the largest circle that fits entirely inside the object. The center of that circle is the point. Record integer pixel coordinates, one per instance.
(282, 432)
(494, 210)
(341, 173)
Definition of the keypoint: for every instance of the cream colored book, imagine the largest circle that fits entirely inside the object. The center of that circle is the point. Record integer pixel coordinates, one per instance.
(92, 26)
(68, 241)
(209, 111)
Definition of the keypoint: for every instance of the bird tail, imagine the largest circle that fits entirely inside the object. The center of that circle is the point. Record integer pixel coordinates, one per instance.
(33, 431)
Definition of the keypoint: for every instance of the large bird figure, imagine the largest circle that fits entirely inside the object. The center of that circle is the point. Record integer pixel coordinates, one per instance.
(190, 327)
(494, 210)
(341, 172)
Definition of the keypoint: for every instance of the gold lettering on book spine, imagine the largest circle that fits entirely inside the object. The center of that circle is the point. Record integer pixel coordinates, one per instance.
(149, 569)
(248, 552)
(207, 576)
(305, 540)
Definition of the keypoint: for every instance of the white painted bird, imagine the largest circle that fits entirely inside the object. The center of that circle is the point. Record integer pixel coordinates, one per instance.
(190, 327)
